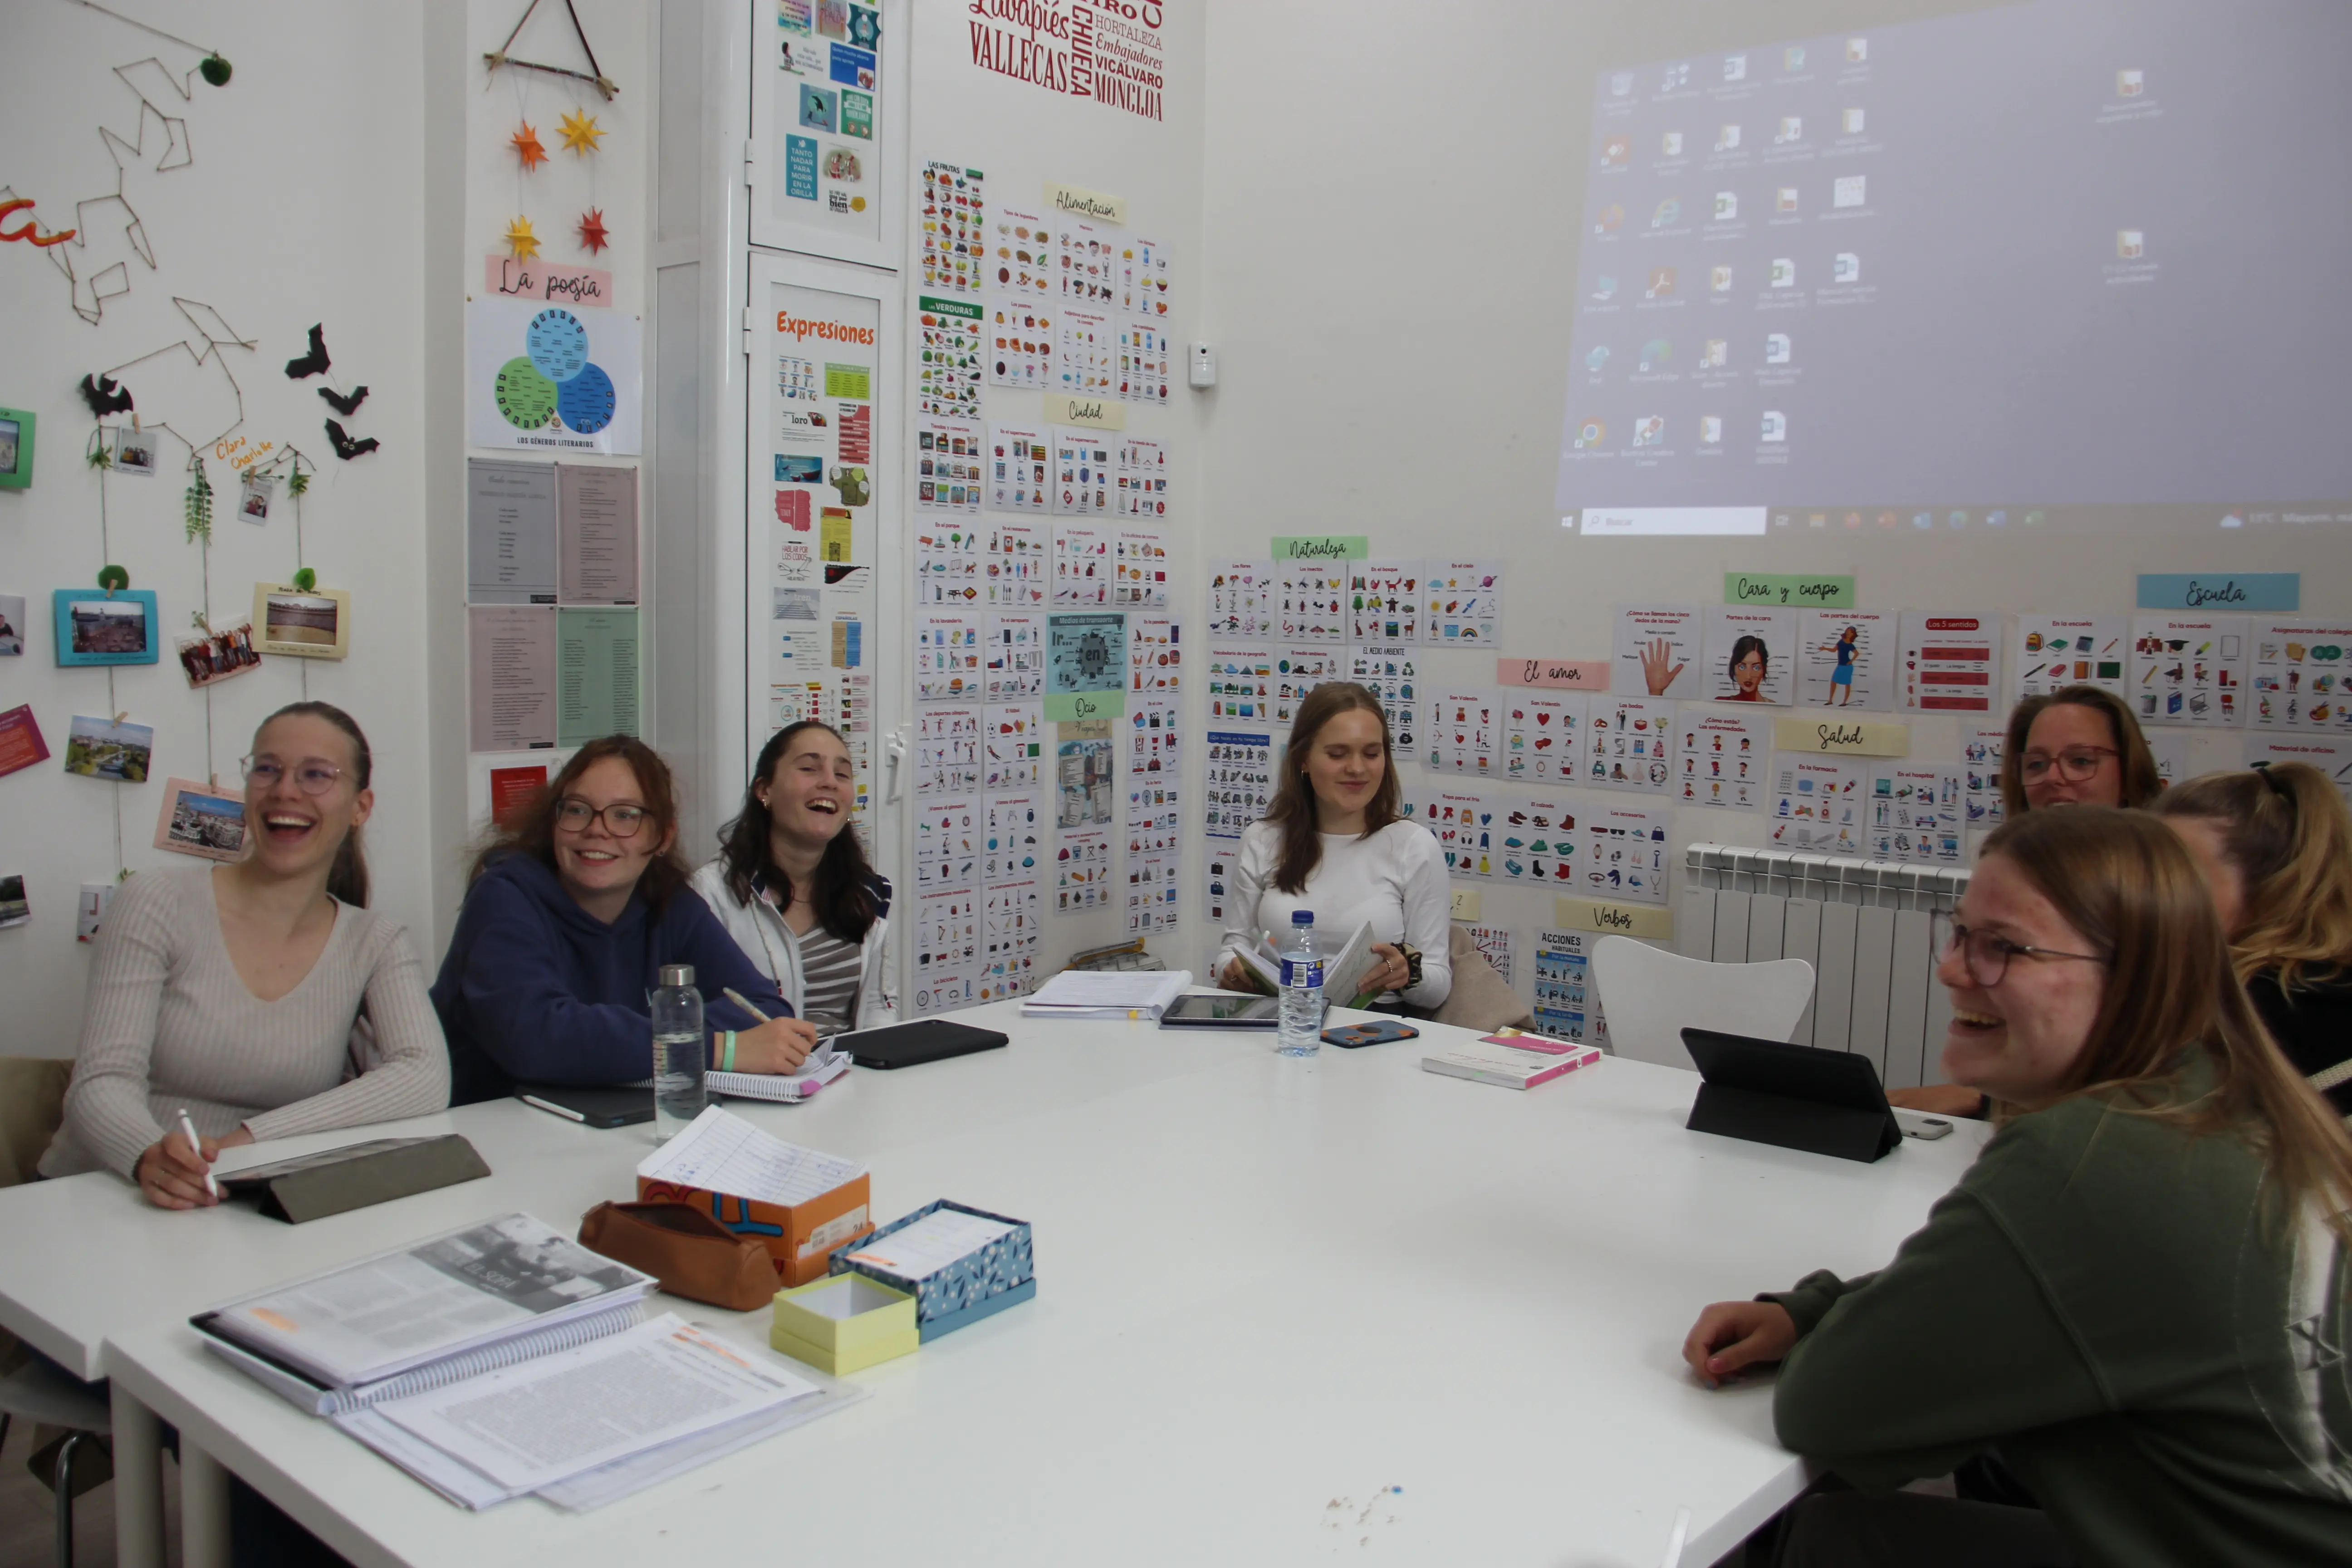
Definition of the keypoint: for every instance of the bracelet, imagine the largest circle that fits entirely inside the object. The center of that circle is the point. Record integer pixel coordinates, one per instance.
(726, 1056)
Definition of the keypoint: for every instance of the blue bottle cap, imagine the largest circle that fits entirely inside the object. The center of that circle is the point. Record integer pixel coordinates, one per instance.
(1302, 917)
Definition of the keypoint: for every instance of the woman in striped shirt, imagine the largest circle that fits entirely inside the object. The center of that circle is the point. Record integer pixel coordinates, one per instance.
(792, 885)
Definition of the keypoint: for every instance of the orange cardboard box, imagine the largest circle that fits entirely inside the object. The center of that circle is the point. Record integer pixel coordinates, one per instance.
(800, 1240)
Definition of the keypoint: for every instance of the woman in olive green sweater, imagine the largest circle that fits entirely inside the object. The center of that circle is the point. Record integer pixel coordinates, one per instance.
(2139, 1297)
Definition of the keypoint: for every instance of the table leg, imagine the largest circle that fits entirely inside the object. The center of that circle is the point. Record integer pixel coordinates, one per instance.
(138, 1483)
(204, 1507)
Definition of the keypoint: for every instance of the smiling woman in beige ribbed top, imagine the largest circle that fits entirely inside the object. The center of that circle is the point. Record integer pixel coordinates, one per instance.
(234, 992)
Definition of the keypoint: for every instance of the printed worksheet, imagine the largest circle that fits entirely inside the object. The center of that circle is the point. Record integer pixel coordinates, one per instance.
(1981, 753)
(1082, 565)
(1145, 356)
(1141, 477)
(1568, 1007)
(1082, 477)
(947, 949)
(1024, 343)
(947, 842)
(1240, 682)
(1624, 854)
(1843, 658)
(1917, 813)
(1534, 841)
(1313, 601)
(947, 372)
(1145, 277)
(1012, 919)
(1950, 662)
(1155, 821)
(1629, 744)
(1464, 825)
(2189, 669)
(1020, 466)
(1819, 803)
(1088, 363)
(1462, 733)
(1013, 662)
(2329, 755)
(2300, 675)
(1150, 894)
(1155, 661)
(946, 657)
(1386, 671)
(1543, 735)
(1014, 836)
(949, 466)
(1012, 746)
(1462, 603)
(2051, 653)
(1082, 872)
(1495, 945)
(1139, 568)
(1021, 256)
(955, 228)
(1085, 263)
(1151, 747)
(1018, 562)
(1217, 879)
(1384, 601)
(1750, 654)
(1658, 650)
(1725, 759)
(947, 751)
(1241, 599)
(1299, 670)
(1237, 781)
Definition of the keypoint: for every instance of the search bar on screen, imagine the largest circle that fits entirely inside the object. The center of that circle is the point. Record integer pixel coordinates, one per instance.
(1666, 520)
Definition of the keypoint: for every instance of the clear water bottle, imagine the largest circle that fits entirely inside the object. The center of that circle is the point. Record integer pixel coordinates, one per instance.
(679, 1045)
(1301, 1030)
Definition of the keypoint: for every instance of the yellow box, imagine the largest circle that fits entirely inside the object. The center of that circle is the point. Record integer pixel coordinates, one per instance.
(843, 1323)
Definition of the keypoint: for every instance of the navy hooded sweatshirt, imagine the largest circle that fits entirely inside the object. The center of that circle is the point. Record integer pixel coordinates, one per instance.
(535, 989)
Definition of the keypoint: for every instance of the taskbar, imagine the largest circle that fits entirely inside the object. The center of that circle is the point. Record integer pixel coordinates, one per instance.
(1664, 521)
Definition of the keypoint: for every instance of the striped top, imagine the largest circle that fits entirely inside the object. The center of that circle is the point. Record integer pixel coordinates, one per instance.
(169, 1024)
(830, 971)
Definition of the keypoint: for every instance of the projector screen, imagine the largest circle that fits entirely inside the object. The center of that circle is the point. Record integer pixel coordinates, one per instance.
(2068, 265)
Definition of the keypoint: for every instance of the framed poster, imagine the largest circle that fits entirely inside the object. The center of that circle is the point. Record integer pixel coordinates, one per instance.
(105, 625)
(828, 128)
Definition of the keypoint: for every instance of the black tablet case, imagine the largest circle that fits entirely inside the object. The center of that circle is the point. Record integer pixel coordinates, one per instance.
(336, 1180)
(600, 1106)
(911, 1045)
(1793, 1097)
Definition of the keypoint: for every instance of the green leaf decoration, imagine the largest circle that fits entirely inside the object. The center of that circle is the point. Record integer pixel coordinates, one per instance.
(299, 480)
(215, 70)
(306, 579)
(200, 506)
(113, 579)
(97, 452)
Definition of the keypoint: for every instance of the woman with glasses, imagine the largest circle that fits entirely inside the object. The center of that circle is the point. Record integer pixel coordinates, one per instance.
(2139, 1296)
(573, 911)
(262, 997)
(2275, 846)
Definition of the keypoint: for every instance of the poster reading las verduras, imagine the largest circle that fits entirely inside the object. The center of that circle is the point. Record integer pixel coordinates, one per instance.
(543, 377)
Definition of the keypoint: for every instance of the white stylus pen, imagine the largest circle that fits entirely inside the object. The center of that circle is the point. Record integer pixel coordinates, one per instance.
(188, 1128)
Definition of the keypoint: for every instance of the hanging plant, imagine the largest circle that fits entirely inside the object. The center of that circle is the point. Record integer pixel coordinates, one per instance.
(200, 504)
(297, 480)
(100, 455)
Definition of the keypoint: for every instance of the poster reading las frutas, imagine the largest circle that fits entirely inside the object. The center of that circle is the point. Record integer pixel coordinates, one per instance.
(553, 378)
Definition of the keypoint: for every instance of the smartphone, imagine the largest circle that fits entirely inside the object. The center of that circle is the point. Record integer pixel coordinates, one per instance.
(1927, 1128)
(1348, 1037)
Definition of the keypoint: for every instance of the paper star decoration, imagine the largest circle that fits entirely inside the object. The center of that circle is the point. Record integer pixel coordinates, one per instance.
(592, 230)
(525, 242)
(526, 145)
(580, 133)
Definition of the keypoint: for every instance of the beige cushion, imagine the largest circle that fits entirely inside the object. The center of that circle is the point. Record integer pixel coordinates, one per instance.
(32, 1109)
(1481, 999)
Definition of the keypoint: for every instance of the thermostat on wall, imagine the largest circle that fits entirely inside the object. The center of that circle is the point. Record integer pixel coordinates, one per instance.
(15, 449)
(1204, 365)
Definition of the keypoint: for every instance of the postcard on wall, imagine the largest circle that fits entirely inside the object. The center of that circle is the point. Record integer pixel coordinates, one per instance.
(1155, 655)
(1387, 671)
(1917, 813)
(1724, 757)
(1843, 658)
(1014, 659)
(1141, 479)
(596, 534)
(1462, 603)
(1241, 599)
(1019, 564)
(553, 377)
(2189, 669)
(948, 465)
(1024, 347)
(2302, 678)
(2051, 653)
(306, 622)
(1819, 803)
(254, 497)
(1240, 682)
(1012, 746)
(20, 739)
(1950, 662)
(116, 750)
(1629, 744)
(1543, 733)
(1384, 601)
(1750, 654)
(1299, 670)
(1659, 650)
(946, 657)
(202, 821)
(1019, 469)
(226, 650)
(1624, 854)
(1536, 841)
(1082, 481)
(100, 626)
(1021, 257)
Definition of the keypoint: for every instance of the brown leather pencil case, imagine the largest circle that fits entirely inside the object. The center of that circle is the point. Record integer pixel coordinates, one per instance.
(690, 1253)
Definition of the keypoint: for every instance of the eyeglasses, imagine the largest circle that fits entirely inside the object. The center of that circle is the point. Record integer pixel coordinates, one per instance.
(312, 777)
(574, 814)
(1988, 953)
(2075, 764)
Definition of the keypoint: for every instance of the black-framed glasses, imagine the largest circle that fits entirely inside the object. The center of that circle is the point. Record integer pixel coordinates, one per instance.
(622, 821)
(2075, 764)
(1987, 953)
(311, 777)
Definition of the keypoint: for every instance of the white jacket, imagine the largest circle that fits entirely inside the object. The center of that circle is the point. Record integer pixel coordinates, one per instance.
(758, 929)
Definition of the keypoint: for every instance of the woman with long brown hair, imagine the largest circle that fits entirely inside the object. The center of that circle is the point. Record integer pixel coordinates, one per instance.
(2275, 846)
(572, 914)
(2078, 746)
(1332, 843)
(2138, 1296)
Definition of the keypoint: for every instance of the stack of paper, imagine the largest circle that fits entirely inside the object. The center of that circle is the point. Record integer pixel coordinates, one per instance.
(721, 1152)
(1106, 994)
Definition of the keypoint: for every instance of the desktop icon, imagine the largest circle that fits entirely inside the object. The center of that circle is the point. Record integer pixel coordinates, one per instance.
(1715, 355)
(1667, 211)
(1845, 267)
(1958, 520)
(1775, 425)
(1785, 199)
(1776, 348)
(1649, 430)
(1719, 280)
(1819, 519)
(1710, 429)
(1734, 67)
(1997, 519)
(2232, 520)
(1670, 145)
(1604, 289)
(1779, 520)
(1674, 76)
(1591, 434)
(1656, 354)
(1853, 519)
(1850, 190)
(1887, 520)
(2131, 243)
(2035, 518)
(1923, 520)
(1620, 84)
(1793, 129)
(1857, 51)
(2130, 83)
(1597, 358)
(1784, 272)
(1662, 284)
(1612, 219)
(1616, 151)
(1726, 206)
(1792, 58)
(1726, 139)
(1851, 122)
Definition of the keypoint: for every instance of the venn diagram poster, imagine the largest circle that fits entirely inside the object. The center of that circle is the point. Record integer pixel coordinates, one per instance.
(543, 377)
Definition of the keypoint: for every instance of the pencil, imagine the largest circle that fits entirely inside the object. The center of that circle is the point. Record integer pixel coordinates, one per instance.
(744, 1002)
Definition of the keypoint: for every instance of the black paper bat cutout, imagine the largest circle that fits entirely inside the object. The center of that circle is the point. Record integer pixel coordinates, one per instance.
(316, 362)
(345, 406)
(345, 447)
(105, 396)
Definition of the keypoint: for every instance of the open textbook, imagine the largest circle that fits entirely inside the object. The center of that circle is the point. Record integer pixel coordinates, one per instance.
(1343, 976)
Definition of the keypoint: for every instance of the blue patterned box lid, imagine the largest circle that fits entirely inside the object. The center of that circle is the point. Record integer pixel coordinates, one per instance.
(995, 1268)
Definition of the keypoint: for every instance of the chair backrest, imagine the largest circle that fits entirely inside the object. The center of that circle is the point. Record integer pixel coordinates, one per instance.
(1649, 997)
(32, 1108)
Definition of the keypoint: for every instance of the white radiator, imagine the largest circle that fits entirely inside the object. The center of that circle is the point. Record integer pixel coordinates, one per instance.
(1864, 925)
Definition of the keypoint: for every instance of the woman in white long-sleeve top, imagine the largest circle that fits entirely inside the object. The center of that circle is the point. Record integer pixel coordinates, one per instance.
(232, 992)
(1333, 843)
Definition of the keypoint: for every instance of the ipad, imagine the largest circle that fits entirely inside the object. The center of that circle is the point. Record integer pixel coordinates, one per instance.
(591, 1105)
(1223, 1010)
(911, 1045)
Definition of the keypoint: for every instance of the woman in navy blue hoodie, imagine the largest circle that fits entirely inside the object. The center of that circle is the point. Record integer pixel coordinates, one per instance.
(571, 913)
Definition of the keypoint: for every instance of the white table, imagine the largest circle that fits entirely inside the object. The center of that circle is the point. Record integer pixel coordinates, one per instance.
(1266, 1287)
